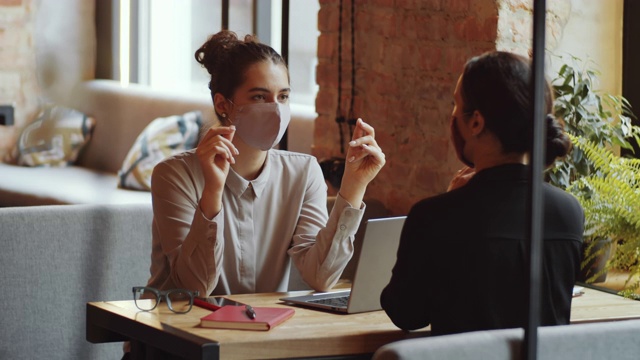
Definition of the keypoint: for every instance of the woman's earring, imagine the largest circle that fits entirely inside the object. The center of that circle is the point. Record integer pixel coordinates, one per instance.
(224, 115)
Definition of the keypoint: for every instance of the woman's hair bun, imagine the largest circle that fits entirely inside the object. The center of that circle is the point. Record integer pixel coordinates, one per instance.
(213, 53)
(227, 57)
(558, 142)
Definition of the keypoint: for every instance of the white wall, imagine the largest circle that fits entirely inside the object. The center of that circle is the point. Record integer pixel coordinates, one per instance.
(65, 45)
(594, 31)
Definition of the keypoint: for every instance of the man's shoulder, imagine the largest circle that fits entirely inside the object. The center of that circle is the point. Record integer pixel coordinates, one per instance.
(439, 201)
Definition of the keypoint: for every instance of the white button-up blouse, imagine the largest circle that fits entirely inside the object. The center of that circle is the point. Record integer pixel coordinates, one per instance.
(263, 225)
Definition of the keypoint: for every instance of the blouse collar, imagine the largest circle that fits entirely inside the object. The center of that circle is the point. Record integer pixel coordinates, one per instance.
(238, 185)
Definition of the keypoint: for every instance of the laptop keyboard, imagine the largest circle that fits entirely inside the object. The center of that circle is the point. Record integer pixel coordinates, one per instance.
(340, 301)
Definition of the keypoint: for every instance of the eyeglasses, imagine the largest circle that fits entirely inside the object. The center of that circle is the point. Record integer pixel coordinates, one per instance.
(180, 301)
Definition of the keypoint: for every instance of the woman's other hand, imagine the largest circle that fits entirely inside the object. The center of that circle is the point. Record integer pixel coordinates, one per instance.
(461, 178)
(216, 154)
(363, 162)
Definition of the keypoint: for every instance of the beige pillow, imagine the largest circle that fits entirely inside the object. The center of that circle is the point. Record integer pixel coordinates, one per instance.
(55, 139)
(162, 138)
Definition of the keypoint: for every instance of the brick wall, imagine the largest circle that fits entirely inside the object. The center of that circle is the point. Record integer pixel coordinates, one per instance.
(515, 24)
(408, 56)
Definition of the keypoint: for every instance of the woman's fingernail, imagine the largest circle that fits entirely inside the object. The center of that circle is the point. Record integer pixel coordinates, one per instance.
(232, 127)
(352, 158)
(352, 143)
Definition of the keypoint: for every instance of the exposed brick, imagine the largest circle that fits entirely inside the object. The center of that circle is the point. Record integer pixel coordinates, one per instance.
(455, 58)
(383, 23)
(377, 3)
(457, 6)
(409, 55)
(409, 26)
(430, 58)
(427, 176)
(328, 19)
(432, 27)
(327, 74)
(327, 45)
(326, 101)
(430, 5)
(11, 2)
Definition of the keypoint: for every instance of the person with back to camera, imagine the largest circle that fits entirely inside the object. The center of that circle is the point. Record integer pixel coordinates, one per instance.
(229, 215)
(462, 262)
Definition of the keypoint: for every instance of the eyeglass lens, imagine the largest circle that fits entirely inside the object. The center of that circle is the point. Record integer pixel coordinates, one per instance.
(145, 298)
(179, 301)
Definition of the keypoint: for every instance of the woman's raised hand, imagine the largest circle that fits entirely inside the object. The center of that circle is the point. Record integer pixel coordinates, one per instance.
(364, 161)
(215, 153)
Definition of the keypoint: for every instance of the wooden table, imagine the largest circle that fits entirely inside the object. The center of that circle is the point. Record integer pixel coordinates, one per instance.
(310, 333)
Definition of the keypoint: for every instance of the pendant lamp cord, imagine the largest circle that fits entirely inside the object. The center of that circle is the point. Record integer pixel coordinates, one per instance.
(340, 119)
(352, 119)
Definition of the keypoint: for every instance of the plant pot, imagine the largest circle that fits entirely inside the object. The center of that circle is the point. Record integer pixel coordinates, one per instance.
(601, 250)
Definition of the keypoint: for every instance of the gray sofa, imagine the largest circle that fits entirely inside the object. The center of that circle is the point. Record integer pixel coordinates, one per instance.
(607, 340)
(54, 260)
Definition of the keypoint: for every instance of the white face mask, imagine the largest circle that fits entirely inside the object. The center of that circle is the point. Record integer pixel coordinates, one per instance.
(261, 125)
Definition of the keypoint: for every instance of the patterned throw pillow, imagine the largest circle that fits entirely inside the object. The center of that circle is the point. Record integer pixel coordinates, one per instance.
(55, 139)
(162, 138)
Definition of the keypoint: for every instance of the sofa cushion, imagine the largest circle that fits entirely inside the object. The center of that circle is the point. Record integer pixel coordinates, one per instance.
(55, 138)
(122, 113)
(162, 138)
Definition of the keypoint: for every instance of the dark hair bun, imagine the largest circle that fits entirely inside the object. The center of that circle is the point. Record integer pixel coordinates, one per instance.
(227, 57)
(214, 53)
(558, 143)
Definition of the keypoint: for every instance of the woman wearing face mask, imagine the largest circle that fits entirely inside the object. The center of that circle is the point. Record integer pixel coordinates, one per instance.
(462, 261)
(231, 215)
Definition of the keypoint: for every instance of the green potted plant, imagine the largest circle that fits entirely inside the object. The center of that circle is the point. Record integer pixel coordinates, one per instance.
(600, 117)
(610, 197)
(605, 122)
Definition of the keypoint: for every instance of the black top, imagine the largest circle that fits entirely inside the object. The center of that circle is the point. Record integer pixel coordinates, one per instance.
(462, 260)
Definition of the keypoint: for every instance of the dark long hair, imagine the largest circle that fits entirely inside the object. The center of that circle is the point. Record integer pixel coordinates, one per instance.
(497, 84)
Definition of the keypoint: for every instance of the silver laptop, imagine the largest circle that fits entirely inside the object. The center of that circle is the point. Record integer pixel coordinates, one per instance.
(373, 272)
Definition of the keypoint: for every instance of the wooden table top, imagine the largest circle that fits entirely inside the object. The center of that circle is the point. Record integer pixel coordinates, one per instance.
(308, 333)
(313, 332)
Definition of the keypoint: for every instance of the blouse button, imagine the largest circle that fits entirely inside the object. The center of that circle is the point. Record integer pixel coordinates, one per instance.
(343, 227)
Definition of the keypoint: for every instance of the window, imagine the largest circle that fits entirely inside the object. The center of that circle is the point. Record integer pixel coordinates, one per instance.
(164, 35)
